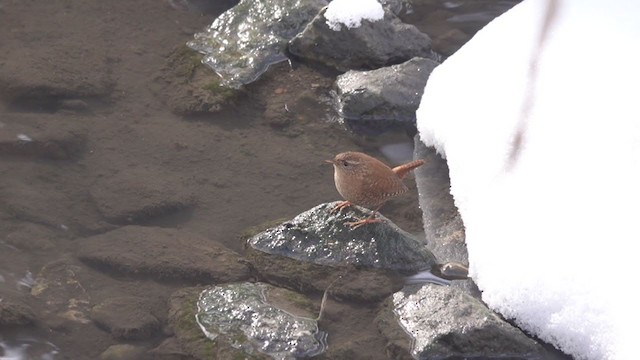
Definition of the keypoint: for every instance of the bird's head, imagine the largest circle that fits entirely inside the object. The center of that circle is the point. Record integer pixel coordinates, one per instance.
(347, 162)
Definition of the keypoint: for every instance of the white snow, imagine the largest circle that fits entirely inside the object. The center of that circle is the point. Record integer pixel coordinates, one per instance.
(351, 13)
(552, 231)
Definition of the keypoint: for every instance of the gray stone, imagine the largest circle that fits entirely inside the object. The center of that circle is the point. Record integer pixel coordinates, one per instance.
(248, 318)
(126, 318)
(320, 237)
(443, 225)
(398, 7)
(190, 339)
(370, 46)
(391, 93)
(440, 322)
(244, 41)
(162, 254)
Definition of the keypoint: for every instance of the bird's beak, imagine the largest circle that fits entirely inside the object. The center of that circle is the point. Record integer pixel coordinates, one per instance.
(329, 161)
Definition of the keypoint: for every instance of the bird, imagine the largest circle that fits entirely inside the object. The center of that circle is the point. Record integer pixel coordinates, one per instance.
(366, 181)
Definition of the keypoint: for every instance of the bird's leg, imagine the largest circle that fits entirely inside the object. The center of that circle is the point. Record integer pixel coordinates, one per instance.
(369, 220)
(341, 205)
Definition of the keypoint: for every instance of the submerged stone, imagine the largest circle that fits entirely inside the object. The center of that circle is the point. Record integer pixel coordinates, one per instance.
(245, 40)
(241, 314)
(321, 237)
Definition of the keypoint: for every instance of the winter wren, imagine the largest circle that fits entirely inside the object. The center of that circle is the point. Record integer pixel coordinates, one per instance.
(366, 181)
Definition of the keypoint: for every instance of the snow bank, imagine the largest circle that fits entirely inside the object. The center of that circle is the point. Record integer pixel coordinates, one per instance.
(548, 195)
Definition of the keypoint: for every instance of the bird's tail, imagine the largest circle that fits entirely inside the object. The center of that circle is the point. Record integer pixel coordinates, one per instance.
(403, 170)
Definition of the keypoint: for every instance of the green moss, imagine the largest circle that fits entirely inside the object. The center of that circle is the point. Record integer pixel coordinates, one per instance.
(215, 88)
(185, 61)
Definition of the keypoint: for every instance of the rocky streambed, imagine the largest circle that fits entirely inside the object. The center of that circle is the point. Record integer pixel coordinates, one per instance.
(136, 182)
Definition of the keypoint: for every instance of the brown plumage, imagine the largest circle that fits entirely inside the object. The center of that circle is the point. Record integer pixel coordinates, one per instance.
(366, 181)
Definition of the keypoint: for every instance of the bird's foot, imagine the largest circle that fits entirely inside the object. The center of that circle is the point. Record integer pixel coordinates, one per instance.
(341, 205)
(357, 224)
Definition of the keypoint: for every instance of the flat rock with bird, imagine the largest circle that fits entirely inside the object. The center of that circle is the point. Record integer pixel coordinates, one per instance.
(320, 236)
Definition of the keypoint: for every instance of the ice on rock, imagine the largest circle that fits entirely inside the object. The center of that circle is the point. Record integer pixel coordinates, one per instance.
(350, 13)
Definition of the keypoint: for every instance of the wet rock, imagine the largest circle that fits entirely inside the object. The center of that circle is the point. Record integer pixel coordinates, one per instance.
(139, 195)
(398, 7)
(445, 323)
(366, 286)
(59, 285)
(320, 237)
(443, 225)
(391, 93)
(242, 42)
(369, 46)
(245, 316)
(190, 88)
(190, 337)
(123, 352)
(126, 318)
(162, 254)
(14, 311)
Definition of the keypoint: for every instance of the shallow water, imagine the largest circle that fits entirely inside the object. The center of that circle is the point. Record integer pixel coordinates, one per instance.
(95, 68)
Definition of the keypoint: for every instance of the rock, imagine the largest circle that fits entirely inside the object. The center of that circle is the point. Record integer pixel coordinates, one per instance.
(245, 316)
(369, 46)
(123, 352)
(320, 237)
(162, 254)
(139, 194)
(47, 204)
(445, 323)
(443, 225)
(127, 318)
(32, 237)
(190, 88)
(24, 136)
(59, 285)
(245, 40)
(64, 79)
(391, 93)
(189, 335)
(14, 311)
(398, 7)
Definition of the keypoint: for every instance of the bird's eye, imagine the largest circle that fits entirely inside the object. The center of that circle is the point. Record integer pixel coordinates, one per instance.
(345, 164)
